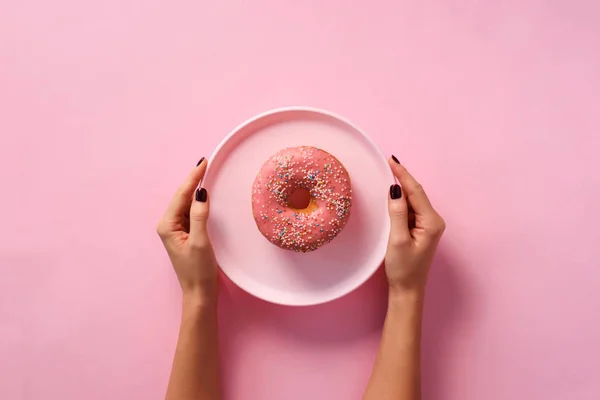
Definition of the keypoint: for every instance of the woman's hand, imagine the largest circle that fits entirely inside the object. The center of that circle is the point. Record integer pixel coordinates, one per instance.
(184, 235)
(416, 229)
(415, 232)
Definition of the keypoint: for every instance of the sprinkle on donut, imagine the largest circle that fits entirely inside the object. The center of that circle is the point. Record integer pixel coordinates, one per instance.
(328, 185)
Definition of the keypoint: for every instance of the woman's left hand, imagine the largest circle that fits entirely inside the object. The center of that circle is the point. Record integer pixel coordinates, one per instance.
(185, 237)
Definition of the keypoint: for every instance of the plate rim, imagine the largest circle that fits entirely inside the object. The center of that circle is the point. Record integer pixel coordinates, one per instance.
(327, 113)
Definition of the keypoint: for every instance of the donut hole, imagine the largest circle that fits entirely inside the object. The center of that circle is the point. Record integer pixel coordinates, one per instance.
(299, 199)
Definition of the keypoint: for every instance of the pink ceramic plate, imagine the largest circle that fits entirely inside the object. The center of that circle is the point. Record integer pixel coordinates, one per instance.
(282, 276)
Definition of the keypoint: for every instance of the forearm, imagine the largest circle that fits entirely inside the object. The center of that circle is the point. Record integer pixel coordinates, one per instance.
(397, 370)
(195, 367)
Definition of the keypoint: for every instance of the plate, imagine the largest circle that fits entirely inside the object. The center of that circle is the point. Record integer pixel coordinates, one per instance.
(283, 276)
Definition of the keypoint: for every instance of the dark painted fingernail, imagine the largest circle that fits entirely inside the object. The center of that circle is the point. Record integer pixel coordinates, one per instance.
(200, 162)
(395, 159)
(395, 192)
(201, 195)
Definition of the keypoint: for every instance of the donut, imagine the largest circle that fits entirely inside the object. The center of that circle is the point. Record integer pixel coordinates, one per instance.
(278, 191)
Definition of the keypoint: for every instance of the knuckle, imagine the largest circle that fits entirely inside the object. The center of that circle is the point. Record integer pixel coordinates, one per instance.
(181, 193)
(442, 224)
(200, 243)
(399, 212)
(199, 215)
(402, 170)
(438, 227)
(399, 241)
(418, 188)
(161, 229)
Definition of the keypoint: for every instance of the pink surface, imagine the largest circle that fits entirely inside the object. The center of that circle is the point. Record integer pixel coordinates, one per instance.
(104, 107)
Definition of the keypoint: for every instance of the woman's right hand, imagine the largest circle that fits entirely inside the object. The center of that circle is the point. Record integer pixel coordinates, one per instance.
(416, 229)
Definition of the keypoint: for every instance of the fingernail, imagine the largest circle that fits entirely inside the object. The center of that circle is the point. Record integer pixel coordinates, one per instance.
(395, 192)
(200, 162)
(395, 159)
(201, 195)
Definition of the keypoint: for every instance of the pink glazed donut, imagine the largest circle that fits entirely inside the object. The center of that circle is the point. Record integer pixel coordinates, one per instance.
(324, 210)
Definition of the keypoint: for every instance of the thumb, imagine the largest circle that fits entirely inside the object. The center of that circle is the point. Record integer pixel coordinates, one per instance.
(398, 210)
(198, 219)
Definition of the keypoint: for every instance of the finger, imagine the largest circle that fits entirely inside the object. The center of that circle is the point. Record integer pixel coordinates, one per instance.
(398, 210)
(180, 204)
(199, 218)
(415, 195)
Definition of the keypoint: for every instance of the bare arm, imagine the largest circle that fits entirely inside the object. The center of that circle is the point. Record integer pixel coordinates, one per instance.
(195, 367)
(414, 235)
(397, 371)
(183, 231)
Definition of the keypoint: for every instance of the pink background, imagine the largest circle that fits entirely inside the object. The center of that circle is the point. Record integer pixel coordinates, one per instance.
(106, 105)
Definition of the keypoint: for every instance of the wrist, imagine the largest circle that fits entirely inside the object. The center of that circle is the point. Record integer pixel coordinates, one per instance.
(413, 284)
(194, 299)
(406, 296)
(196, 310)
